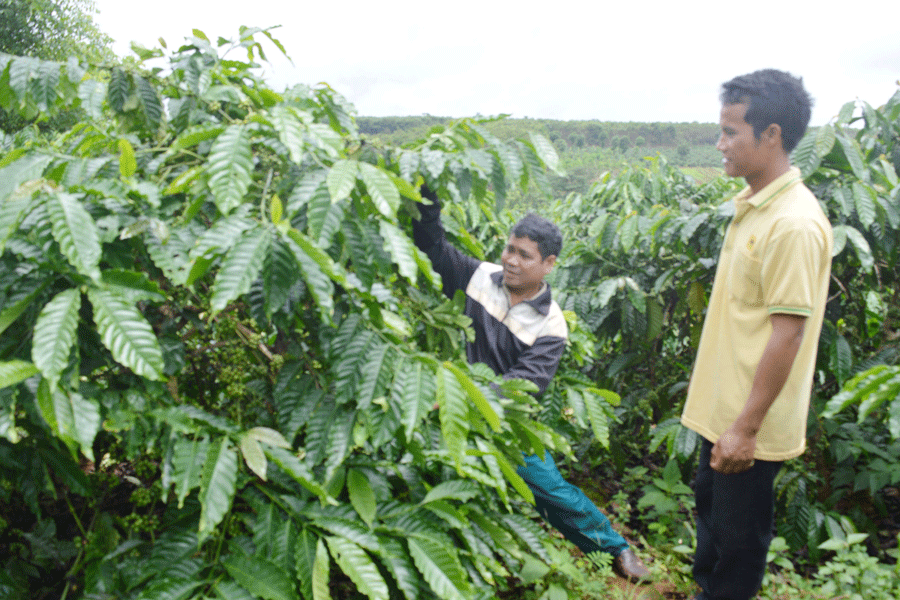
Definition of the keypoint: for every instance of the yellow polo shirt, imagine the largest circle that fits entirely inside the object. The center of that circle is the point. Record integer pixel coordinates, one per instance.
(776, 258)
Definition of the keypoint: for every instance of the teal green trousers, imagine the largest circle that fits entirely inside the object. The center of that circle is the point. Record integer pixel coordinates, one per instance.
(565, 506)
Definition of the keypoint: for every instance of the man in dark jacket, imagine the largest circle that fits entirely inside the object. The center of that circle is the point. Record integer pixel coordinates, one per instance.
(520, 332)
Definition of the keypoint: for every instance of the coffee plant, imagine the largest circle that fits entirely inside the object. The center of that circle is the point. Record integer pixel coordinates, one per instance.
(225, 369)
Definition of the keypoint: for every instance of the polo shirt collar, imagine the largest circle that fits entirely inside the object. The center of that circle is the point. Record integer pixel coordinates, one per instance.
(747, 199)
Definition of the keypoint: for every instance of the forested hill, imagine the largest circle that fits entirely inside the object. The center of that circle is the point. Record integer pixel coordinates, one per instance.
(565, 134)
(678, 138)
(586, 148)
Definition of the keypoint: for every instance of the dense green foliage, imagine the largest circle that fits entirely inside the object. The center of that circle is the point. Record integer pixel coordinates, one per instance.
(221, 350)
(226, 371)
(51, 29)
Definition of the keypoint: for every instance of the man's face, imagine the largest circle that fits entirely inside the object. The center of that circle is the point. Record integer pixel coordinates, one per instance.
(742, 154)
(523, 267)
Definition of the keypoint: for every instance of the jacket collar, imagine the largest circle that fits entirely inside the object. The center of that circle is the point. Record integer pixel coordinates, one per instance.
(540, 303)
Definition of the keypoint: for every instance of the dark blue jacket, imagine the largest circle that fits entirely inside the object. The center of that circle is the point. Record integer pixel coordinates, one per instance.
(524, 341)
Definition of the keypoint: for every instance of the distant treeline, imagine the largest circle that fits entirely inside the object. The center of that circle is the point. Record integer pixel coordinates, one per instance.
(565, 134)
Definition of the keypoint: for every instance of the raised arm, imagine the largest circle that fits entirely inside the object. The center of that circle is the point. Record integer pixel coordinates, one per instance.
(454, 267)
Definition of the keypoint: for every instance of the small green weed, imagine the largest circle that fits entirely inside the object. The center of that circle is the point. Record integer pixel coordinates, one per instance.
(853, 574)
(667, 499)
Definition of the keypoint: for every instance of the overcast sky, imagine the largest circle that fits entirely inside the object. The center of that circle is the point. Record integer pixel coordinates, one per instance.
(564, 59)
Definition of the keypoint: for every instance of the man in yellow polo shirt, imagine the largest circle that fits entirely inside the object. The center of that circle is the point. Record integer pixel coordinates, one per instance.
(750, 388)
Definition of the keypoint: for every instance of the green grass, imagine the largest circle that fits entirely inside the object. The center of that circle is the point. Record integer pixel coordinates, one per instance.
(703, 174)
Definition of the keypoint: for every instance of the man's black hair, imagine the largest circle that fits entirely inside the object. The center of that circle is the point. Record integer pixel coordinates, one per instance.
(772, 96)
(541, 231)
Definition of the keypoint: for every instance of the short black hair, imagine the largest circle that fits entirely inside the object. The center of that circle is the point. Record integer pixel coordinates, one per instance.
(772, 96)
(541, 231)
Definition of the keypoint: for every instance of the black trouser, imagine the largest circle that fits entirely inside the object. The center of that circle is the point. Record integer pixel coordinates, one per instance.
(735, 521)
